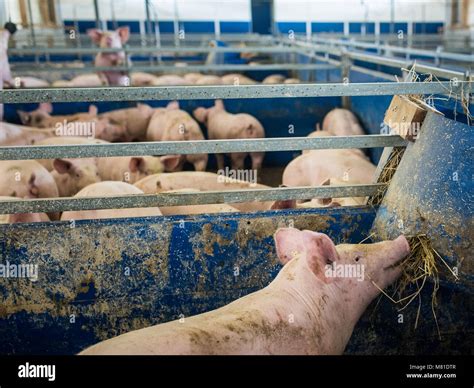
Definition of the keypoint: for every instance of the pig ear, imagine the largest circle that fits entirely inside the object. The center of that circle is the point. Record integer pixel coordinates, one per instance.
(93, 110)
(288, 244)
(62, 166)
(201, 114)
(173, 105)
(46, 107)
(325, 201)
(250, 129)
(33, 189)
(95, 34)
(143, 108)
(124, 33)
(285, 204)
(136, 164)
(219, 104)
(170, 162)
(24, 116)
(320, 251)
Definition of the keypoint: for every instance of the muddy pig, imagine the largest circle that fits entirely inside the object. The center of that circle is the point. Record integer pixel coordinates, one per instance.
(309, 308)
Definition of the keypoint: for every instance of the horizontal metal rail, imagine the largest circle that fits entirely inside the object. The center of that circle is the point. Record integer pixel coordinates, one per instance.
(198, 147)
(420, 67)
(400, 50)
(169, 68)
(15, 96)
(48, 205)
(149, 50)
(383, 60)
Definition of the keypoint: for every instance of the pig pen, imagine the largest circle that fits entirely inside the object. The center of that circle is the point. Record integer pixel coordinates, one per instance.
(102, 278)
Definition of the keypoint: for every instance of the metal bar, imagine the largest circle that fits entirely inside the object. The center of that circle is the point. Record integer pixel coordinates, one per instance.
(148, 17)
(172, 68)
(16, 96)
(420, 67)
(198, 147)
(32, 28)
(141, 50)
(96, 13)
(48, 205)
(395, 49)
(392, 62)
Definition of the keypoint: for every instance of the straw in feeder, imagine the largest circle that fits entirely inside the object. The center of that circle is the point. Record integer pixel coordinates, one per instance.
(421, 265)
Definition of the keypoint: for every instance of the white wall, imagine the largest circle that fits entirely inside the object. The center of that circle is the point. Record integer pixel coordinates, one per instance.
(239, 10)
(233, 10)
(359, 10)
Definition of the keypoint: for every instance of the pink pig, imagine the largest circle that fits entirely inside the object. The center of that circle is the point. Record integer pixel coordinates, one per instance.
(104, 189)
(174, 124)
(315, 167)
(308, 308)
(224, 125)
(112, 39)
(342, 122)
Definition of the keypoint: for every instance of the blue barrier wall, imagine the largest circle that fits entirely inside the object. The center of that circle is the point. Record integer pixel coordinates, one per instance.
(104, 278)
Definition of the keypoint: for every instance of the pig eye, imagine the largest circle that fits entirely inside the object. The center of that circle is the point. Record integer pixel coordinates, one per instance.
(357, 258)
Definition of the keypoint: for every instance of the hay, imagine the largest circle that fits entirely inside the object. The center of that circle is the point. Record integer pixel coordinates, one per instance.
(421, 265)
(386, 175)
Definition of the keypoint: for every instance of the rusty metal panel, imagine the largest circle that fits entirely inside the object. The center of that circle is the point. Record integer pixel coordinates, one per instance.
(103, 278)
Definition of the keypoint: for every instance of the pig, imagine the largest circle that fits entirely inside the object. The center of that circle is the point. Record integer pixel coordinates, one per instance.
(132, 169)
(135, 120)
(21, 217)
(324, 306)
(237, 79)
(88, 124)
(107, 189)
(274, 79)
(72, 175)
(292, 81)
(42, 118)
(334, 202)
(48, 163)
(81, 81)
(317, 133)
(26, 179)
(342, 122)
(198, 180)
(142, 79)
(224, 125)
(174, 124)
(16, 135)
(209, 80)
(314, 167)
(33, 82)
(207, 181)
(169, 80)
(192, 78)
(111, 39)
